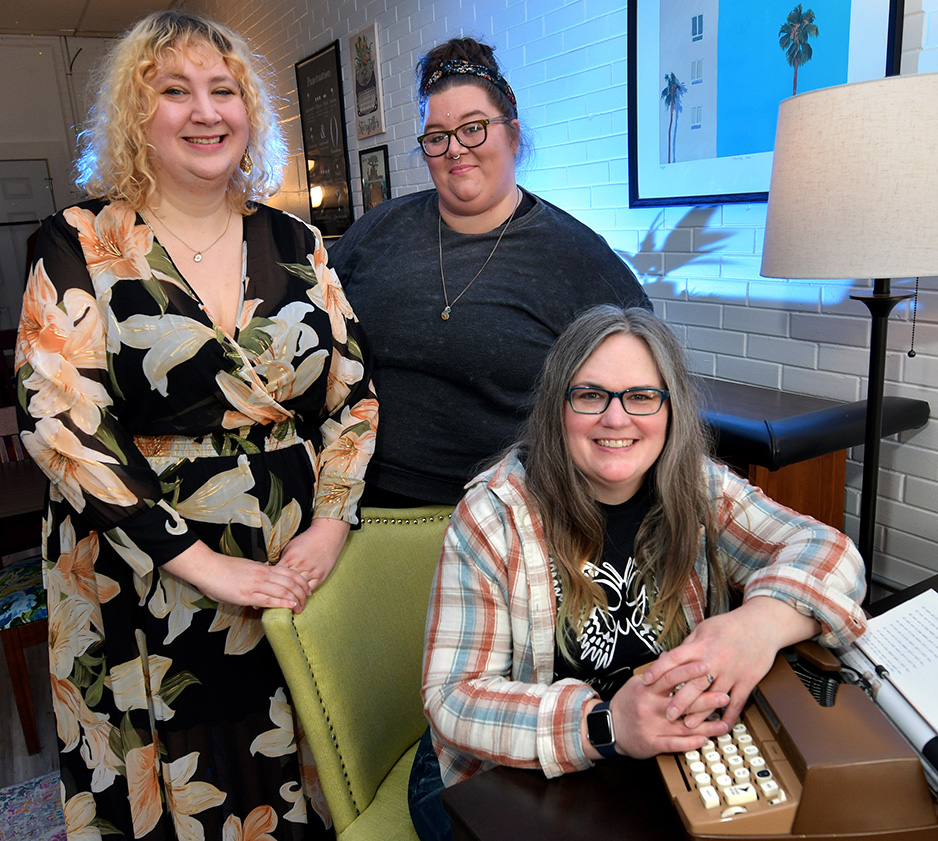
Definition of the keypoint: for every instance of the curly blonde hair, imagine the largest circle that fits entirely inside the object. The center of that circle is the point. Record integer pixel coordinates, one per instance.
(114, 161)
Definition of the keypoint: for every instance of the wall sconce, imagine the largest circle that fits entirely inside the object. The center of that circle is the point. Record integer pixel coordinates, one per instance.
(315, 191)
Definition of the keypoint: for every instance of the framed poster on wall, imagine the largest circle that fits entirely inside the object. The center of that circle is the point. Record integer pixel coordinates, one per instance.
(706, 79)
(366, 77)
(319, 89)
(376, 182)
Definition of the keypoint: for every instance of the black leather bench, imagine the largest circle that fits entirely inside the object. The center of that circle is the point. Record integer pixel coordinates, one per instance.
(794, 445)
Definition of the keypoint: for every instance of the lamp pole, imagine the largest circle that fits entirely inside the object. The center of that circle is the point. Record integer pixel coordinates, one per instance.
(880, 304)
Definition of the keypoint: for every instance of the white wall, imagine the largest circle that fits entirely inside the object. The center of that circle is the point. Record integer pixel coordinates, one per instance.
(35, 106)
(36, 126)
(567, 62)
(43, 91)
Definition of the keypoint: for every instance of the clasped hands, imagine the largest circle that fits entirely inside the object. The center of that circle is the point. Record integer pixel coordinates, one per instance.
(305, 562)
(697, 690)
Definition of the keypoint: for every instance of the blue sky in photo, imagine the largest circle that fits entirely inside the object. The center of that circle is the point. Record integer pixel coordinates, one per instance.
(753, 75)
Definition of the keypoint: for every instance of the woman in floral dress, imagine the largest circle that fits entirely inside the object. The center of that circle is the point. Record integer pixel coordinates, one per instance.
(196, 387)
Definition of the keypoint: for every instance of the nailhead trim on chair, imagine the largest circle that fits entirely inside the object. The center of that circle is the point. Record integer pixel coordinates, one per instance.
(407, 520)
(335, 741)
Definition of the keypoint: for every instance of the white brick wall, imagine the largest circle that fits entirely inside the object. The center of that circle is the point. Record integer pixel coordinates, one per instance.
(567, 62)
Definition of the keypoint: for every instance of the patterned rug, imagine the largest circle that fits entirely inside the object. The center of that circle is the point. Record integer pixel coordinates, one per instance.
(32, 811)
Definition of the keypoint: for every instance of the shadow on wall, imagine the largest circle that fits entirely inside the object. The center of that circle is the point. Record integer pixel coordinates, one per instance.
(688, 242)
(692, 242)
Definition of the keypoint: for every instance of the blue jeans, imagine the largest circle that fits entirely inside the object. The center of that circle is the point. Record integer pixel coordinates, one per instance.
(423, 794)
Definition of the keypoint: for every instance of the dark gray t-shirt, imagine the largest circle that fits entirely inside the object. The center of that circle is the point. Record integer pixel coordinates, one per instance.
(453, 393)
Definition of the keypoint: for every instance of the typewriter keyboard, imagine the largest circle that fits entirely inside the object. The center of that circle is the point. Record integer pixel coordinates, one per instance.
(740, 783)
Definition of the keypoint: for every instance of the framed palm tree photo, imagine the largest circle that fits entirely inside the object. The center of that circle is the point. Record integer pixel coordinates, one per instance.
(706, 78)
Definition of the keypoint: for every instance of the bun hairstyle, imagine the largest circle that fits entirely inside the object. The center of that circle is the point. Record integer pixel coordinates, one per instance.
(464, 61)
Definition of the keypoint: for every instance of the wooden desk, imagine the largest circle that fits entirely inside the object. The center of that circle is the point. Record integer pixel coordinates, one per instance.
(621, 799)
(793, 446)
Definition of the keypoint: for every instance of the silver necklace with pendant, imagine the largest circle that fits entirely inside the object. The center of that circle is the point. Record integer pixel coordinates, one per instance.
(197, 252)
(448, 308)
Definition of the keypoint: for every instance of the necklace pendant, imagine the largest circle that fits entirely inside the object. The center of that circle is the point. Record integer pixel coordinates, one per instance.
(198, 257)
(445, 314)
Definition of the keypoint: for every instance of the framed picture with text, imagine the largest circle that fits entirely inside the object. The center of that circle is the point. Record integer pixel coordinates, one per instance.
(376, 182)
(706, 79)
(366, 77)
(319, 90)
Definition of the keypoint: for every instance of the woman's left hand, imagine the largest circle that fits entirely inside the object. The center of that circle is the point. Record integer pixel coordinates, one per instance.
(738, 648)
(313, 553)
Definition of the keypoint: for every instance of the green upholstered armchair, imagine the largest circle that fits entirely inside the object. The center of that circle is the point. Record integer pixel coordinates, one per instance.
(353, 661)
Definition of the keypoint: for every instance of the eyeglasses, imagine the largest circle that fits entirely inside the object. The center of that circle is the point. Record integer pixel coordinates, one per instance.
(470, 135)
(590, 400)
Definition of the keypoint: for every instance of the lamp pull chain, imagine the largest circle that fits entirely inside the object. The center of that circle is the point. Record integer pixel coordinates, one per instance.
(911, 353)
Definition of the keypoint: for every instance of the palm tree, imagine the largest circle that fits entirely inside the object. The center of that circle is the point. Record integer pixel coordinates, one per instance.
(793, 38)
(671, 96)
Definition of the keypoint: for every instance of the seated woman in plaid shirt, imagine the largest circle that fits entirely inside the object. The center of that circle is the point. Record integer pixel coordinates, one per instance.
(606, 539)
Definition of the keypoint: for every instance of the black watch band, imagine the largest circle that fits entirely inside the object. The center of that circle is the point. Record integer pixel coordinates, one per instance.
(600, 732)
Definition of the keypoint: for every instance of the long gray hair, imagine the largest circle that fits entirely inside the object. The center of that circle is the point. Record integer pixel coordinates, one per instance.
(667, 540)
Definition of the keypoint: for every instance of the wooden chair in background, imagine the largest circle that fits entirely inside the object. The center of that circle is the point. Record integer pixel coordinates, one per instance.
(23, 611)
(7, 383)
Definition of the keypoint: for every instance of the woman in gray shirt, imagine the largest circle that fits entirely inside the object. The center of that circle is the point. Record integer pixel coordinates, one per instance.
(463, 289)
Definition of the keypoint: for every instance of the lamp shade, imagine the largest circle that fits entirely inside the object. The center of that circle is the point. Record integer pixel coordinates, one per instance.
(854, 190)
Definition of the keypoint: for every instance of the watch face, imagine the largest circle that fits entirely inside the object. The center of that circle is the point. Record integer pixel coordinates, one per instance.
(599, 728)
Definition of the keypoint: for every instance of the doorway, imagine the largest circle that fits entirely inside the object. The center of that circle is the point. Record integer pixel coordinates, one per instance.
(25, 200)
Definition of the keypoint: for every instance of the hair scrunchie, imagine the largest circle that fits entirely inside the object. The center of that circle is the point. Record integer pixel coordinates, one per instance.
(458, 66)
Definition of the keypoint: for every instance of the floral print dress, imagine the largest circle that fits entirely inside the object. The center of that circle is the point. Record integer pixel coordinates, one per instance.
(156, 428)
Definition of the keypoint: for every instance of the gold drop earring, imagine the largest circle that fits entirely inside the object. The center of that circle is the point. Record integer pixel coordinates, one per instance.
(247, 164)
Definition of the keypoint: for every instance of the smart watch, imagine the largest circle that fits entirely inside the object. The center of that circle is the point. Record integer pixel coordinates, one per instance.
(600, 732)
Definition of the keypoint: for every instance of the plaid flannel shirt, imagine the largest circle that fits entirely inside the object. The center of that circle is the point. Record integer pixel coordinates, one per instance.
(488, 685)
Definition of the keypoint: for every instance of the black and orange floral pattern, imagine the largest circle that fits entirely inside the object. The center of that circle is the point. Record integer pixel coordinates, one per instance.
(156, 427)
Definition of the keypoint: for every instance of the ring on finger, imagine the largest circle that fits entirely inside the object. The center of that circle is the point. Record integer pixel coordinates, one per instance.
(709, 678)
(676, 689)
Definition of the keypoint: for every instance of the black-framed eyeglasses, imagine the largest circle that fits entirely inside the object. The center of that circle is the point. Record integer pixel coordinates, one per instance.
(470, 135)
(592, 400)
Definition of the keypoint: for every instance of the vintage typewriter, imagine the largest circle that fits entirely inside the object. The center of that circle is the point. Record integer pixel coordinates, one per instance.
(811, 758)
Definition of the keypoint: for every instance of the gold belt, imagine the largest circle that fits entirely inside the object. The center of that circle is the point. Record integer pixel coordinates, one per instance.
(278, 437)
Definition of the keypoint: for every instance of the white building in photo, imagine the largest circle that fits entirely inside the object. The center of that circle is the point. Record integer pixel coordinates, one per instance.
(688, 49)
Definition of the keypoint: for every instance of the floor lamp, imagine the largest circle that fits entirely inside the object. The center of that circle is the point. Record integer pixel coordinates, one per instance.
(854, 194)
